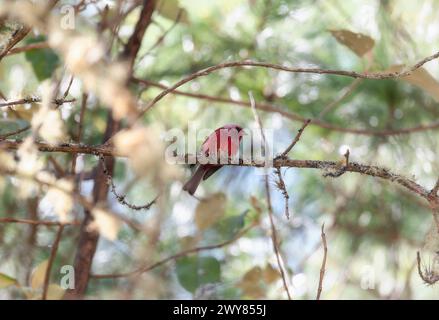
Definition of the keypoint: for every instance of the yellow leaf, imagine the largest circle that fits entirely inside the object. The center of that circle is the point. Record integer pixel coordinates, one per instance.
(55, 292)
(357, 42)
(6, 281)
(210, 210)
(38, 275)
(422, 79)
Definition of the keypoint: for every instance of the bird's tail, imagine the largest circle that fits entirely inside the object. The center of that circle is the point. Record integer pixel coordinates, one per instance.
(192, 184)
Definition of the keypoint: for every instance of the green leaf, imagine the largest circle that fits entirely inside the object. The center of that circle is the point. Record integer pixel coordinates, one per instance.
(43, 61)
(230, 226)
(195, 271)
(6, 281)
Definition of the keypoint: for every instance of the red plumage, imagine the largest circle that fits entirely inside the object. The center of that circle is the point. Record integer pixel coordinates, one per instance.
(222, 140)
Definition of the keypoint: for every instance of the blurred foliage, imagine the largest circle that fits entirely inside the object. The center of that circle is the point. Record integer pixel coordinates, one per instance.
(373, 227)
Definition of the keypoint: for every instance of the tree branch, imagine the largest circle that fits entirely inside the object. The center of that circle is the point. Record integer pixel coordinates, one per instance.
(236, 64)
(291, 115)
(38, 222)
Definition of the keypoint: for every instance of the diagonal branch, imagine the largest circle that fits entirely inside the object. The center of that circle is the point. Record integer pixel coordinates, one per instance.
(176, 256)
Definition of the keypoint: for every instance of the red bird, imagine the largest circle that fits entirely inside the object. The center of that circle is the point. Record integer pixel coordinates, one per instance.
(223, 141)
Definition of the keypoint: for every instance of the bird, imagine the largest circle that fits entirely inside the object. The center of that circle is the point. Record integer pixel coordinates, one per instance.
(215, 144)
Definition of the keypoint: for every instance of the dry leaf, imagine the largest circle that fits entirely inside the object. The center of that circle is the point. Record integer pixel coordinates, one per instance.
(420, 78)
(270, 274)
(357, 42)
(6, 281)
(189, 242)
(251, 283)
(210, 210)
(38, 275)
(146, 152)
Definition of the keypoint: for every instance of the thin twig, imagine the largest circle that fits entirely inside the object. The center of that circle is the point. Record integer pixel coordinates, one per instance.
(13, 133)
(58, 102)
(29, 47)
(296, 138)
(175, 256)
(51, 260)
(66, 93)
(78, 137)
(280, 184)
(322, 269)
(346, 93)
(121, 198)
(435, 189)
(39, 222)
(428, 275)
(274, 240)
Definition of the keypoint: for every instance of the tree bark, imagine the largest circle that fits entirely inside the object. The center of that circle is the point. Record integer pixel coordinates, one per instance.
(88, 239)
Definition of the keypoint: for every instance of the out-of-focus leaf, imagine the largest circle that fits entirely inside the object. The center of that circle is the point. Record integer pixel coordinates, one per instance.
(210, 210)
(23, 111)
(270, 274)
(8, 126)
(44, 61)
(231, 225)
(250, 284)
(6, 281)
(38, 275)
(422, 79)
(189, 242)
(195, 271)
(171, 9)
(55, 292)
(357, 42)
(105, 223)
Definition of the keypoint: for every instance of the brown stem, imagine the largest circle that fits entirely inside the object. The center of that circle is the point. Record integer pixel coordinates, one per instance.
(322, 269)
(51, 260)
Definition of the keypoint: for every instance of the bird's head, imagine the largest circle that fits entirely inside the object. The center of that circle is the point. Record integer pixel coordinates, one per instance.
(236, 127)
